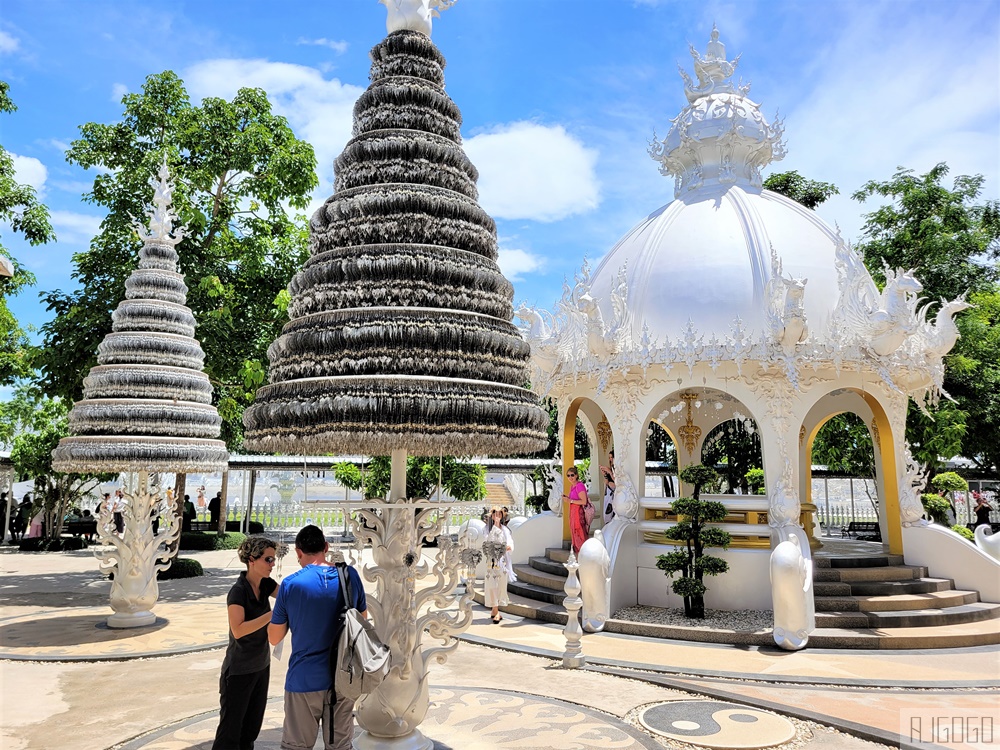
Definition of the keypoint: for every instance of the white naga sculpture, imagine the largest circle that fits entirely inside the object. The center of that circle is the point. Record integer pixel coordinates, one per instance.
(987, 542)
(595, 583)
(786, 315)
(413, 15)
(791, 590)
(941, 335)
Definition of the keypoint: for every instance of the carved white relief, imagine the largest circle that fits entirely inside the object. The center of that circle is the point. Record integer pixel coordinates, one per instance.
(786, 315)
(557, 488)
(914, 477)
(413, 15)
(162, 217)
(626, 498)
(791, 592)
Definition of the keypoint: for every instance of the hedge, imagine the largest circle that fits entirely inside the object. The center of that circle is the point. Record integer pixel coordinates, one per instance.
(182, 567)
(209, 540)
(42, 544)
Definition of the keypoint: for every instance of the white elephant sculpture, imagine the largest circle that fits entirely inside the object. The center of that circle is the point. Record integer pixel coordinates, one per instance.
(987, 542)
(791, 592)
(595, 583)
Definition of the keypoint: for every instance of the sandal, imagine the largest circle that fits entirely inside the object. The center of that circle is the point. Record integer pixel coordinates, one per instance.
(497, 619)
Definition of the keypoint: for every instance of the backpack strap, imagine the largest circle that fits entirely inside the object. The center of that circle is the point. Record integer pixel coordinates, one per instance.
(345, 585)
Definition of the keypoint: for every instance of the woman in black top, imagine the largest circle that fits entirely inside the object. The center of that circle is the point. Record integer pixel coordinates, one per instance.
(247, 666)
(983, 509)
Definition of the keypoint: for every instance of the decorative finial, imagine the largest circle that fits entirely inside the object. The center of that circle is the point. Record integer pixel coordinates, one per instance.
(161, 218)
(716, 49)
(413, 15)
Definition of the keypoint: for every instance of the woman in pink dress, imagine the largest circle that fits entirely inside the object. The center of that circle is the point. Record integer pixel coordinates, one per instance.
(578, 527)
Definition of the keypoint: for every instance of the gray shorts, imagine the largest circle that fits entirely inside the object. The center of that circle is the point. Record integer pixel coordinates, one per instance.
(305, 712)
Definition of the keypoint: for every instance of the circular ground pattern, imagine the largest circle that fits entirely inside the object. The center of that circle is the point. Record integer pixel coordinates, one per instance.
(716, 724)
(459, 719)
(82, 634)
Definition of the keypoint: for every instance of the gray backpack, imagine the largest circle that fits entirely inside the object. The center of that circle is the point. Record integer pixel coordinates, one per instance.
(362, 660)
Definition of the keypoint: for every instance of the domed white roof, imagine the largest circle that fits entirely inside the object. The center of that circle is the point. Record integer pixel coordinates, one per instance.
(707, 256)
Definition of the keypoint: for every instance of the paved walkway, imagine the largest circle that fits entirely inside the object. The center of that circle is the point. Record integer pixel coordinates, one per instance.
(68, 681)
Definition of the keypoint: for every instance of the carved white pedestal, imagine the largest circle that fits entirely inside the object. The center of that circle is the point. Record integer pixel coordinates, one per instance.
(402, 614)
(136, 556)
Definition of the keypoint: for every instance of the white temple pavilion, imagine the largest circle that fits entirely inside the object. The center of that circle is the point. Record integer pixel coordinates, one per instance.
(734, 302)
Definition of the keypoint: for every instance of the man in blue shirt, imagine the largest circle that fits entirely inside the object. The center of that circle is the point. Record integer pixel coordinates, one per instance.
(309, 604)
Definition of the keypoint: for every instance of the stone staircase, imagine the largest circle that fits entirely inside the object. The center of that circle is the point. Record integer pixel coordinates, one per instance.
(865, 599)
(498, 494)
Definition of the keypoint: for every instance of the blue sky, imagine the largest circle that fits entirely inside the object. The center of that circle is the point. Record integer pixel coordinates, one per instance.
(559, 97)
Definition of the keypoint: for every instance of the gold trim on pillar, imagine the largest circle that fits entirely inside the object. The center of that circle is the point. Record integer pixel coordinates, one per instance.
(882, 435)
(569, 456)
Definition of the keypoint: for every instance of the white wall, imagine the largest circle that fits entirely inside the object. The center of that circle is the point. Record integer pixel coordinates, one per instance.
(747, 584)
(947, 555)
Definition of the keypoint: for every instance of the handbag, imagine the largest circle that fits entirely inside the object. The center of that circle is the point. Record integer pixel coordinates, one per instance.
(588, 512)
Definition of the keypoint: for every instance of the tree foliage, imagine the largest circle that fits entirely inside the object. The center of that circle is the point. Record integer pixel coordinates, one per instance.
(952, 241)
(32, 424)
(463, 481)
(692, 528)
(237, 169)
(844, 446)
(22, 211)
(810, 193)
(735, 450)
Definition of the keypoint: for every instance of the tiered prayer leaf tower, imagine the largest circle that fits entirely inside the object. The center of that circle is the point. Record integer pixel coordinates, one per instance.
(147, 405)
(400, 335)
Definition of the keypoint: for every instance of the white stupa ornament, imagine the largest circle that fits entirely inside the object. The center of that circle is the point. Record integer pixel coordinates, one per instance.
(721, 137)
(161, 218)
(413, 15)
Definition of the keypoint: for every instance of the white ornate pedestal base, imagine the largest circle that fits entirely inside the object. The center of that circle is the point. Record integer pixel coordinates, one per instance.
(573, 656)
(136, 557)
(402, 614)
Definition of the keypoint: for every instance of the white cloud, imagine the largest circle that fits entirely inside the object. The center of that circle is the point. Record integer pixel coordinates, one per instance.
(28, 169)
(118, 90)
(515, 264)
(338, 46)
(75, 228)
(319, 110)
(913, 98)
(532, 171)
(8, 43)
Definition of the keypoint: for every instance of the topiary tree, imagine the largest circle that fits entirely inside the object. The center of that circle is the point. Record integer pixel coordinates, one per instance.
(936, 507)
(693, 516)
(946, 483)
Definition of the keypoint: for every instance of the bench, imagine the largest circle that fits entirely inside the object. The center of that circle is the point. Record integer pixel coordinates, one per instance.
(864, 530)
(255, 526)
(80, 528)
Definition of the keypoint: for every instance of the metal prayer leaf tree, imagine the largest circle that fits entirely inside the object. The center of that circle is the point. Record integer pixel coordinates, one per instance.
(400, 341)
(146, 408)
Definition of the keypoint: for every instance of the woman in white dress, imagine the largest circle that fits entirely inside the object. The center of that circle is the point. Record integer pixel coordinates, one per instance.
(499, 568)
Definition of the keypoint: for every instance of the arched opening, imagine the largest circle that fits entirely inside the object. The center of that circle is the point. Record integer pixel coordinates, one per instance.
(733, 449)
(587, 438)
(848, 431)
(661, 460)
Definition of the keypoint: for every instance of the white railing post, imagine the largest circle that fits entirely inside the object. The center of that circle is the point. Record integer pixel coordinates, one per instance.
(573, 656)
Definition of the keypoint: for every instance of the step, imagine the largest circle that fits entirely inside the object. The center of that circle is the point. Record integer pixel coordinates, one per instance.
(548, 566)
(538, 593)
(891, 588)
(965, 635)
(832, 589)
(557, 554)
(528, 574)
(837, 604)
(526, 607)
(856, 561)
(921, 618)
(842, 619)
(930, 600)
(888, 573)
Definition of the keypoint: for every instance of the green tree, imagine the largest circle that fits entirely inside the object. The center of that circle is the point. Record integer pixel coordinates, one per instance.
(236, 167)
(20, 208)
(463, 481)
(810, 193)
(735, 450)
(844, 446)
(692, 528)
(953, 242)
(32, 424)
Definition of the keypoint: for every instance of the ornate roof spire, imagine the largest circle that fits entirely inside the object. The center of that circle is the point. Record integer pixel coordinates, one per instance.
(413, 15)
(720, 137)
